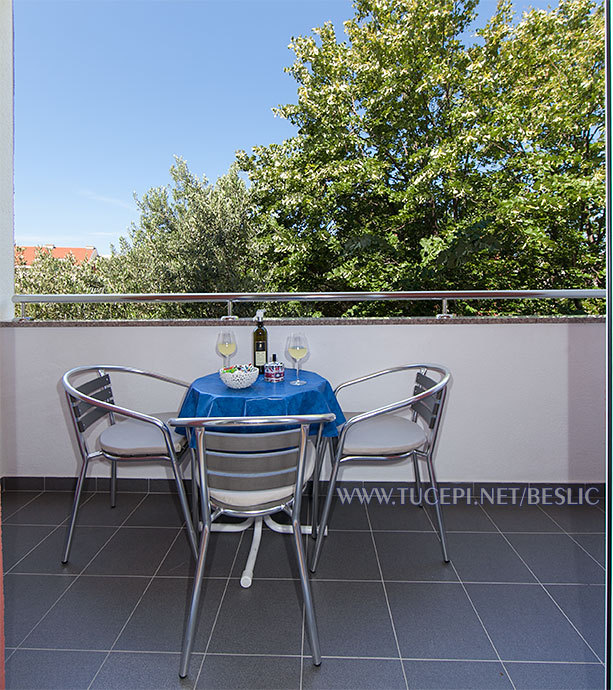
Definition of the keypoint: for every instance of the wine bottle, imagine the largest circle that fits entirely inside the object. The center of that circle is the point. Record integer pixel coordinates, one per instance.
(260, 341)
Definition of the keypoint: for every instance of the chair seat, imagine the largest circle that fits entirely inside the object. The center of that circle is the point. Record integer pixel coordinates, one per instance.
(388, 434)
(131, 437)
(265, 498)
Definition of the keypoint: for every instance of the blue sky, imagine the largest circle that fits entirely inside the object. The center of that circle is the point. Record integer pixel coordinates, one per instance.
(107, 92)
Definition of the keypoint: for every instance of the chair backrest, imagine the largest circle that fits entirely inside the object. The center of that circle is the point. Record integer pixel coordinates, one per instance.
(252, 454)
(428, 408)
(252, 461)
(82, 397)
(85, 413)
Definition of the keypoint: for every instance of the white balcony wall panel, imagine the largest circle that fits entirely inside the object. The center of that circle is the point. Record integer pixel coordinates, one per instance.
(526, 403)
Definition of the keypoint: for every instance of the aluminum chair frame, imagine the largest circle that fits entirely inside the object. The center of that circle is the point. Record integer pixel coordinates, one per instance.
(424, 452)
(246, 578)
(82, 417)
(291, 506)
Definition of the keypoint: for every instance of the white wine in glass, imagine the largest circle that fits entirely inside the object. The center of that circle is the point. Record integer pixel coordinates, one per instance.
(226, 346)
(297, 348)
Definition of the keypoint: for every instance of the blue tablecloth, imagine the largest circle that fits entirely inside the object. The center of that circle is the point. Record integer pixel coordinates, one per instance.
(209, 397)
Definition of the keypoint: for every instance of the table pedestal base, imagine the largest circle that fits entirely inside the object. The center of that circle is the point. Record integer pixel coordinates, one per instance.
(247, 574)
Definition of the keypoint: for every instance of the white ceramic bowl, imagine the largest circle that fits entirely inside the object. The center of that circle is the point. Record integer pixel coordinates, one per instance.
(243, 376)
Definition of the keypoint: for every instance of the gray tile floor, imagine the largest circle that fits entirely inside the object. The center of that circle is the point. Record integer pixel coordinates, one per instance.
(521, 605)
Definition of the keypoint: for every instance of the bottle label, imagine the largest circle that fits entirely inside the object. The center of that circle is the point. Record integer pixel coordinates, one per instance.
(260, 358)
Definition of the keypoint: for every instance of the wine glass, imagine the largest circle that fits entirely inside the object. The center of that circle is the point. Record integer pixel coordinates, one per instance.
(226, 345)
(297, 348)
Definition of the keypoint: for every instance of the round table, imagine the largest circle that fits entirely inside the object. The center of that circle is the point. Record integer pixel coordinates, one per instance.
(208, 396)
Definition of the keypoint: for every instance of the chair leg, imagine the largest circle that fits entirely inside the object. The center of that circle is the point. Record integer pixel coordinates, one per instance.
(191, 533)
(418, 486)
(437, 507)
(75, 510)
(113, 483)
(192, 618)
(321, 531)
(195, 510)
(306, 594)
(314, 505)
(321, 450)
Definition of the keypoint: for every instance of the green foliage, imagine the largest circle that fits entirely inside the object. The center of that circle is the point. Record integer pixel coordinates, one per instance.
(422, 164)
(191, 237)
(49, 276)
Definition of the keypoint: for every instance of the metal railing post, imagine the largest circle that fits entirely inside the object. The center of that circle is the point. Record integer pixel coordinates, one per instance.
(444, 311)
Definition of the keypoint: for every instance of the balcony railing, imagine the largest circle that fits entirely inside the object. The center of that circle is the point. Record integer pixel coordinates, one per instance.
(230, 298)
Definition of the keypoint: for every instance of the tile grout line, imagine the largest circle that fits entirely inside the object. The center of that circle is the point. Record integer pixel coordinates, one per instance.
(64, 524)
(9, 571)
(221, 600)
(461, 582)
(322, 579)
(544, 589)
(76, 577)
(306, 544)
(8, 517)
(345, 531)
(387, 602)
(302, 646)
(535, 662)
(53, 531)
(70, 575)
(569, 535)
(485, 630)
(131, 614)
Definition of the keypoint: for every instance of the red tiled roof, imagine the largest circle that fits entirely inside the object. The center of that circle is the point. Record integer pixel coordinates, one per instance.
(81, 254)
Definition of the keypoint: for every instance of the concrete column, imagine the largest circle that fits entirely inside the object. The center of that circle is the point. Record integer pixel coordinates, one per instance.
(7, 216)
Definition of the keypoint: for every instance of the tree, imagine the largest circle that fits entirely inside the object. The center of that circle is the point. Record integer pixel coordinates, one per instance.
(192, 236)
(420, 163)
(50, 275)
(537, 99)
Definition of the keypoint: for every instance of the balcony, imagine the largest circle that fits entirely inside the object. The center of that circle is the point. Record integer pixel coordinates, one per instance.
(521, 604)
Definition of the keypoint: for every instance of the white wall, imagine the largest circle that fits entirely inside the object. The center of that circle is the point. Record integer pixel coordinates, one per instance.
(526, 403)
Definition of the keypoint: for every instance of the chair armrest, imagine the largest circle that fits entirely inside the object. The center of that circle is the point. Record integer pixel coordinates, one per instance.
(167, 379)
(383, 372)
(150, 374)
(395, 406)
(118, 409)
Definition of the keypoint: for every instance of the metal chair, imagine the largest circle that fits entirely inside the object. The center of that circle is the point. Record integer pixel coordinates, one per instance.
(384, 435)
(127, 435)
(254, 470)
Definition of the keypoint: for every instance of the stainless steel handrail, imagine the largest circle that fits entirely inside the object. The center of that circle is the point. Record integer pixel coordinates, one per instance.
(312, 296)
(231, 297)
